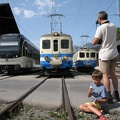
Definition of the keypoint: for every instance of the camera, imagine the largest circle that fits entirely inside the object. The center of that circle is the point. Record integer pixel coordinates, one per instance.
(100, 41)
(97, 22)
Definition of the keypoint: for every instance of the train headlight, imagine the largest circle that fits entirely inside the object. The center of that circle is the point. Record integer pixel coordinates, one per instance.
(55, 34)
(65, 58)
(47, 58)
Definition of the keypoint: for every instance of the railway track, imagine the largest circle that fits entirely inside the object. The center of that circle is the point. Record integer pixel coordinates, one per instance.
(16, 105)
(11, 107)
(66, 106)
(3, 77)
(66, 101)
(6, 76)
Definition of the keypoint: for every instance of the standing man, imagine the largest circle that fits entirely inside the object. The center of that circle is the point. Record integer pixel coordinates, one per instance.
(108, 54)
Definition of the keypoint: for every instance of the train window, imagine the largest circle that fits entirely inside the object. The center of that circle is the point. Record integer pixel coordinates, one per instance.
(87, 55)
(97, 55)
(92, 55)
(46, 44)
(55, 47)
(82, 55)
(64, 44)
(29, 47)
(8, 45)
(24, 53)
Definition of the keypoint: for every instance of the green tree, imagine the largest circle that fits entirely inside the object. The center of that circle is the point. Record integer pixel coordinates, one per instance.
(118, 33)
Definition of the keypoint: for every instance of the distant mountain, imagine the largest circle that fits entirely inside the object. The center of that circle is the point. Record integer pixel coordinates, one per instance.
(90, 45)
(76, 48)
(87, 45)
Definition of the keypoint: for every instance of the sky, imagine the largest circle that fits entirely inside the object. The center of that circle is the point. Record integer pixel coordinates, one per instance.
(79, 17)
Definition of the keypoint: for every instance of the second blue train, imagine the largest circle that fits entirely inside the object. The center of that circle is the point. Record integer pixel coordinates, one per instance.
(85, 59)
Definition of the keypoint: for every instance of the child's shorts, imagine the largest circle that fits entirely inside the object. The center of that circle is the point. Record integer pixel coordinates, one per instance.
(96, 105)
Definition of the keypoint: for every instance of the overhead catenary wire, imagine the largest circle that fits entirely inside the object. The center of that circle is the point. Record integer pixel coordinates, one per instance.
(106, 10)
(90, 20)
(79, 13)
(110, 5)
(77, 16)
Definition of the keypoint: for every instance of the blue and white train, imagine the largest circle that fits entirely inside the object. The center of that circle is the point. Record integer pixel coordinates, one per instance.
(56, 52)
(85, 59)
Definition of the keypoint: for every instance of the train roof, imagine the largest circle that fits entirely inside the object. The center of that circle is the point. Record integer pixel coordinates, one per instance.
(7, 20)
(17, 35)
(59, 34)
(11, 34)
(87, 49)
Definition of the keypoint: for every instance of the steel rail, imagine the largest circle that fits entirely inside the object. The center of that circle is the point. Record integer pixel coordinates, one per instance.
(66, 100)
(18, 101)
(7, 77)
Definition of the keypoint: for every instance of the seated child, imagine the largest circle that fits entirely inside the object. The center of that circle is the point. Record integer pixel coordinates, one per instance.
(98, 95)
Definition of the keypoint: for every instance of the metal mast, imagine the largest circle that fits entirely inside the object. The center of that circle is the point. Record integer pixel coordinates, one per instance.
(56, 24)
(118, 4)
(84, 41)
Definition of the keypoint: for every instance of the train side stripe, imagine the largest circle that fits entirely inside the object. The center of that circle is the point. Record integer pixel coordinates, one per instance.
(59, 55)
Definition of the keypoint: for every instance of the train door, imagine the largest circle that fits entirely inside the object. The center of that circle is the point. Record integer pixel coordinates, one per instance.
(87, 57)
(25, 54)
(93, 55)
(56, 48)
(56, 51)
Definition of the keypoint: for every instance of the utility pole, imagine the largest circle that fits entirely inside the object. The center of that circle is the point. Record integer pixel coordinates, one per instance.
(118, 5)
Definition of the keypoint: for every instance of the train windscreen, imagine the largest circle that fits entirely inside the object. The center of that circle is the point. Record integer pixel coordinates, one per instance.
(81, 55)
(64, 44)
(6, 45)
(92, 55)
(46, 44)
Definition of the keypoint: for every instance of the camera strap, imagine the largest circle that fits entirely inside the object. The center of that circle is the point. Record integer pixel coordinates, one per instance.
(106, 22)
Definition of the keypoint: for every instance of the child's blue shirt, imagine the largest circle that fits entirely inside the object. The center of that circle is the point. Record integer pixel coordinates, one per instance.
(98, 92)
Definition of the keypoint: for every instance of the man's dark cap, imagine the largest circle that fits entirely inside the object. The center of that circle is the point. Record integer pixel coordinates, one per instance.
(102, 15)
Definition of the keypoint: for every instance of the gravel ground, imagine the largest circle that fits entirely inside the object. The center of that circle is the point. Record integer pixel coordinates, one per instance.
(32, 113)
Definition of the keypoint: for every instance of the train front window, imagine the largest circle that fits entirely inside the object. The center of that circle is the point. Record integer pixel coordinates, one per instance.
(8, 45)
(64, 44)
(81, 55)
(46, 44)
(55, 47)
(92, 55)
